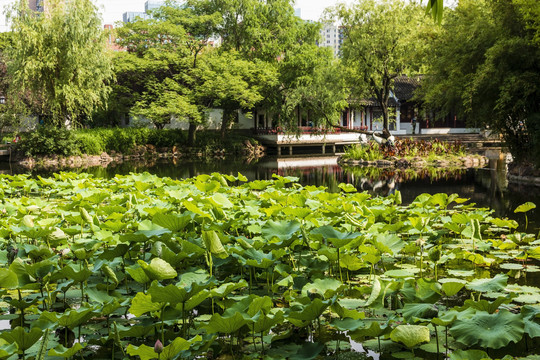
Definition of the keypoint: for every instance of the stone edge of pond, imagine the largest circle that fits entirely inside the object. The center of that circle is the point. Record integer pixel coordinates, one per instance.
(474, 161)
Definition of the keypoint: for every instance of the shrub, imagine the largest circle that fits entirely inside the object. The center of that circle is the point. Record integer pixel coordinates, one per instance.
(90, 143)
(47, 140)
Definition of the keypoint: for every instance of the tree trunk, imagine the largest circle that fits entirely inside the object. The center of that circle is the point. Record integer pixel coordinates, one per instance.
(226, 121)
(191, 134)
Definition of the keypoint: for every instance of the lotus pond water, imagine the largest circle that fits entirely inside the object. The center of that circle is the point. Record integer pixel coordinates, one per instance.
(141, 266)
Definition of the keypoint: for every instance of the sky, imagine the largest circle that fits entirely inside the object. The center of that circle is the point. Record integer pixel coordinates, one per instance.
(112, 10)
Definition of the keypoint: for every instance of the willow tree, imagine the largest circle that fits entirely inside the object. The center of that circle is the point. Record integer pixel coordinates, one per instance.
(382, 40)
(59, 61)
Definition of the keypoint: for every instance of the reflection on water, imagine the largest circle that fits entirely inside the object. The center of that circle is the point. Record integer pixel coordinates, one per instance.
(485, 187)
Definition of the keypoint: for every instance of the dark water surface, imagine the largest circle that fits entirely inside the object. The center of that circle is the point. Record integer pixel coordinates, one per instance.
(486, 187)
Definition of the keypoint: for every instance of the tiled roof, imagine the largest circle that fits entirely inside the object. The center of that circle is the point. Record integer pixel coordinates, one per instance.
(404, 87)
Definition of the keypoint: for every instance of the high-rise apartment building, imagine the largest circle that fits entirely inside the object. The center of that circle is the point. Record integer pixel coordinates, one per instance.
(150, 5)
(332, 37)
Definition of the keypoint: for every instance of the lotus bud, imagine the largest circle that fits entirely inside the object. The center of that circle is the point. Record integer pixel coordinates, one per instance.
(420, 242)
(158, 347)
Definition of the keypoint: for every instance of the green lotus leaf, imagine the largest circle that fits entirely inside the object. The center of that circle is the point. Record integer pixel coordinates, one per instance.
(348, 188)
(310, 311)
(71, 318)
(61, 351)
(142, 303)
(308, 351)
(375, 292)
(72, 272)
(149, 229)
(420, 311)
(461, 218)
(347, 324)
(389, 243)
(172, 222)
(525, 207)
(455, 227)
(327, 287)
(451, 287)
(85, 215)
(158, 269)
(461, 273)
(213, 244)
(410, 335)
(343, 309)
(23, 339)
(283, 230)
(99, 296)
(7, 349)
(138, 274)
(468, 355)
(227, 288)
(512, 224)
(265, 322)
(115, 226)
(530, 315)
(351, 262)
(169, 352)
(489, 330)
(8, 279)
(225, 325)
(484, 305)
(399, 273)
(497, 283)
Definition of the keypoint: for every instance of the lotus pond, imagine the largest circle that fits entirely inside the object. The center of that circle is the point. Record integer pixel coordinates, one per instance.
(216, 267)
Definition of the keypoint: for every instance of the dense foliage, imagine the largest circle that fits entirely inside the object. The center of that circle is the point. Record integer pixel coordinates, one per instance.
(58, 65)
(51, 140)
(382, 40)
(145, 267)
(485, 66)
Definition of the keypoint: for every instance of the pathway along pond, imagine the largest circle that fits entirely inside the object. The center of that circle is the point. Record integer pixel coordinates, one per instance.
(486, 187)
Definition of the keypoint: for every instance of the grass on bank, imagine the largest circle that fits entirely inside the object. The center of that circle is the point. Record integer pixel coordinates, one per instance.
(54, 141)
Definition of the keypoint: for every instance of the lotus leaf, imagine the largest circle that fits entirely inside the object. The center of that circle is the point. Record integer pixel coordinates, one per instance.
(172, 222)
(283, 230)
(142, 304)
(61, 351)
(530, 315)
(8, 279)
(525, 207)
(347, 324)
(309, 312)
(158, 269)
(410, 335)
(308, 351)
(375, 329)
(225, 325)
(451, 287)
(326, 287)
(413, 312)
(497, 283)
(169, 352)
(469, 355)
(23, 339)
(213, 244)
(489, 330)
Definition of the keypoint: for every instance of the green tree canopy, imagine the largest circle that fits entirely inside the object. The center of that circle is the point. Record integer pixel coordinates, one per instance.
(383, 39)
(486, 65)
(58, 63)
